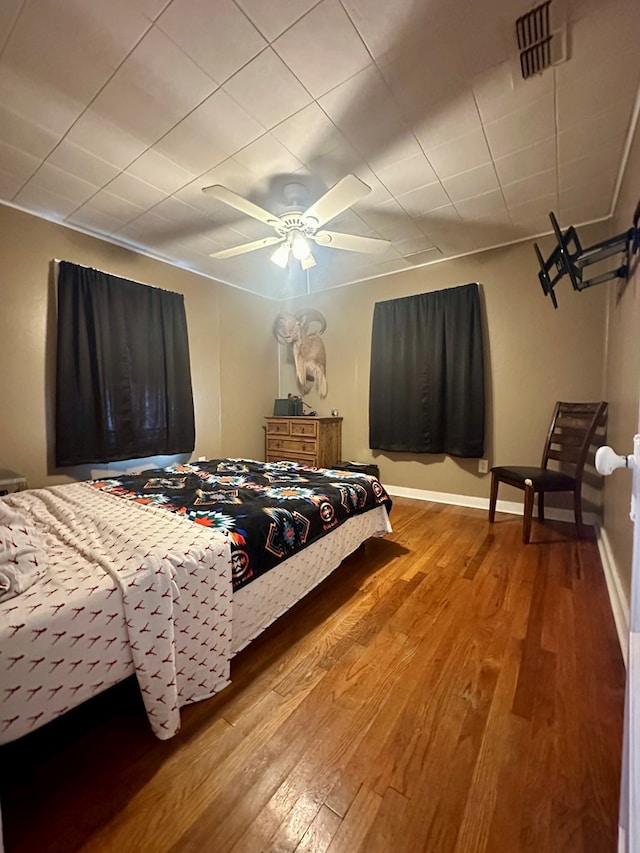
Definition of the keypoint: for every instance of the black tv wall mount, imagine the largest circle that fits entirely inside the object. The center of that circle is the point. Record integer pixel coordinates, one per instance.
(570, 258)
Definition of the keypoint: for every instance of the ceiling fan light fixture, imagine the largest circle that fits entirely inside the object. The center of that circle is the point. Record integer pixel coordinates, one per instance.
(281, 255)
(308, 262)
(300, 247)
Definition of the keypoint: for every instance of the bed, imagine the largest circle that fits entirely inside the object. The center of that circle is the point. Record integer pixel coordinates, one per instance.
(167, 574)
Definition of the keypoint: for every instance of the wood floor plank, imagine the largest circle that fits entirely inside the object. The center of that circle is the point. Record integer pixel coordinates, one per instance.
(388, 826)
(332, 748)
(493, 809)
(481, 554)
(241, 794)
(180, 795)
(542, 758)
(355, 825)
(601, 700)
(558, 599)
(447, 690)
(532, 644)
(320, 832)
(455, 785)
(271, 834)
(268, 774)
(365, 763)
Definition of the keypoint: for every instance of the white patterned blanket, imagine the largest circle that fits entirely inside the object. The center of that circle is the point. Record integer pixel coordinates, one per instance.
(128, 588)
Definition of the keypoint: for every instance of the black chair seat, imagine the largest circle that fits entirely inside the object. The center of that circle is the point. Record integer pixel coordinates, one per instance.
(542, 479)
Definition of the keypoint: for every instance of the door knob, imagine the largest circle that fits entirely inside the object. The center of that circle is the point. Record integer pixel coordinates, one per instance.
(607, 460)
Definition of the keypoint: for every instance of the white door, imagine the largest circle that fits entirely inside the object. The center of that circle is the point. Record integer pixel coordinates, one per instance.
(629, 821)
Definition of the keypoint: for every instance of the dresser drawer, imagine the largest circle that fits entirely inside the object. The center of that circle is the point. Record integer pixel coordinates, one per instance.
(300, 458)
(304, 427)
(291, 445)
(278, 427)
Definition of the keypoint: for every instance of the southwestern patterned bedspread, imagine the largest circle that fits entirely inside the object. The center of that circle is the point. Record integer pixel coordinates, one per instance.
(268, 511)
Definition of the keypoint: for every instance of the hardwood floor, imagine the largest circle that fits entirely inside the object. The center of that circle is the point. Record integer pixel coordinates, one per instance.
(448, 689)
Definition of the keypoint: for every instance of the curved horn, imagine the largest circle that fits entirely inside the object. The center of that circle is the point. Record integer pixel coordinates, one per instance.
(311, 315)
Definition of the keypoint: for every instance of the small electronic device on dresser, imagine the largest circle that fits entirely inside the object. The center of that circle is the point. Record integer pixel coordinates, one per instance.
(287, 407)
(291, 407)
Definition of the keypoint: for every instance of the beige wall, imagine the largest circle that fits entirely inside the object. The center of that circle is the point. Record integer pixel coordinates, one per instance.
(223, 363)
(623, 379)
(534, 356)
(249, 371)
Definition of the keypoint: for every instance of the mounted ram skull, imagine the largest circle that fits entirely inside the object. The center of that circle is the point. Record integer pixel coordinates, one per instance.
(307, 345)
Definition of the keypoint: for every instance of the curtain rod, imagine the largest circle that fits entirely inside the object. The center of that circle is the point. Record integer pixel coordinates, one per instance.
(58, 261)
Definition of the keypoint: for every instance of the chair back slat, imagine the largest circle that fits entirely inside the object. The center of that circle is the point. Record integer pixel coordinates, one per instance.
(568, 438)
(566, 454)
(581, 408)
(574, 423)
(571, 432)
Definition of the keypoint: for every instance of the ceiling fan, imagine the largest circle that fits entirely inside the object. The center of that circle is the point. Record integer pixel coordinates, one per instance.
(297, 228)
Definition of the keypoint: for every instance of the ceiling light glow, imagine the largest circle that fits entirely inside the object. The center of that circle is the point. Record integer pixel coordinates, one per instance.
(300, 247)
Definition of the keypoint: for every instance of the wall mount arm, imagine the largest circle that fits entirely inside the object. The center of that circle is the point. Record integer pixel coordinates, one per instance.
(570, 258)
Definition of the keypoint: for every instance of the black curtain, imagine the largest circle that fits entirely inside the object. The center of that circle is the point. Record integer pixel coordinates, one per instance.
(426, 391)
(123, 384)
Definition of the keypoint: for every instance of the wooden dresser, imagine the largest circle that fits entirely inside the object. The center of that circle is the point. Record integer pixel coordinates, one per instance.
(309, 441)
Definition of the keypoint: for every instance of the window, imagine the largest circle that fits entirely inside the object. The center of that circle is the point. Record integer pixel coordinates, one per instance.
(426, 391)
(123, 384)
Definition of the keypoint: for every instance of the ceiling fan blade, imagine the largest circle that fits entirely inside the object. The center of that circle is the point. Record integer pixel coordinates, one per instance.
(346, 192)
(351, 242)
(246, 247)
(242, 204)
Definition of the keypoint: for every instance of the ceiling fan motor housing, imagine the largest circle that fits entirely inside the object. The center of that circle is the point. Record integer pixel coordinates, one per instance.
(293, 222)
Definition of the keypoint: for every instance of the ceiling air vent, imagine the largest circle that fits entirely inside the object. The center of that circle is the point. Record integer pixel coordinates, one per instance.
(541, 44)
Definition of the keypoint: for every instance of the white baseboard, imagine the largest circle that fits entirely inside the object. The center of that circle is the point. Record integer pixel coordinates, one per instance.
(511, 507)
(617, 596)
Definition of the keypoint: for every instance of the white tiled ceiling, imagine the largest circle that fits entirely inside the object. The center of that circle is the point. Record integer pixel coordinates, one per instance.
(114, 116)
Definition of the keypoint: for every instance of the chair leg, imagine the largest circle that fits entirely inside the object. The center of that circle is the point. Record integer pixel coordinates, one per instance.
(529, 494)
(541, 506)
(577, 510)
(494, 496)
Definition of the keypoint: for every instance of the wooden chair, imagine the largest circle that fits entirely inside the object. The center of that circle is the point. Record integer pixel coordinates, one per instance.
(570, 435)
